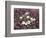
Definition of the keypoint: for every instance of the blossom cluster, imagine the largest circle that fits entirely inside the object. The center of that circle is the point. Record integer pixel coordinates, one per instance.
(26, 18)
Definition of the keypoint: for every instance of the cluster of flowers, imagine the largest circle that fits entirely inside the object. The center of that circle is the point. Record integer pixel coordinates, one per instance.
(26, 18)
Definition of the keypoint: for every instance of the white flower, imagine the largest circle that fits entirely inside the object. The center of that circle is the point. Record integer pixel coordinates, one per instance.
(20, 17)
(26, 13)
(32, 19)
(23, 22)
(28, 17)
(28, 22)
